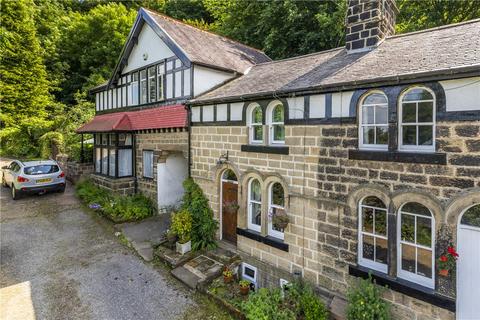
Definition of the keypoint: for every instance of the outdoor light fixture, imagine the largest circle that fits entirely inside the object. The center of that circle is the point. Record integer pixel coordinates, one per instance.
(223, 158)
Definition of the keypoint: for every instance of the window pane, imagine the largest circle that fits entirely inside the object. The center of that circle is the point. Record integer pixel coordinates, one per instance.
(113, 139)
(425, 135)
(382, 135)
(409, 135)
(472, 216)
(424, 266)
(255, 192)
(367, 219)
(160, 87)
(148, 164)
(408, 228)
(381, 250)
(368, 135)
(278, 113)
(258, 133)
(229, 175)
(418, 94)
(368, 247)
(105, 139)
(373, 202)
(124, 162)
(104, 161)
(143, 86)
(279, 132)
(381, 114)
(417, 208)
(98, 159)
(249, 272)
(408, 258)
(256, 213)
(274, 211)
(409, 112)
(257, 115)
(111, 170)
(278, 196)
(380, 222)
(368, 115)
(424, 231)
(152, 84)
(425, 111)
(124, 139)
(375, 98)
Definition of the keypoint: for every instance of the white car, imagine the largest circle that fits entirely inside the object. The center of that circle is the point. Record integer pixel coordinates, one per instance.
(38, 176)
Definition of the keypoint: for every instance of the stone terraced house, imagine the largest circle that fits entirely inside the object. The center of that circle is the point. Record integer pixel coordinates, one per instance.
(372, 150)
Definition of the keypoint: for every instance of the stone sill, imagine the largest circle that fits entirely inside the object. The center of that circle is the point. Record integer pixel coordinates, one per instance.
(396, 156)
(265, 149)
(269, 241)
(406, 287)
(107, 177)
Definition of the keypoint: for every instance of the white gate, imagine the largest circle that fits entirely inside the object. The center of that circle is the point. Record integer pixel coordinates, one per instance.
(468, 269)
(171, 175)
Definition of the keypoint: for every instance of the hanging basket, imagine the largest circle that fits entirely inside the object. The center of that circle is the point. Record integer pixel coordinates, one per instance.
(280, 219)
(443, 272)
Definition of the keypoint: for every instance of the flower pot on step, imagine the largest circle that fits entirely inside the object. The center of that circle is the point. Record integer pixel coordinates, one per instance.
(183, 248)
(443, 272)
(227, 279)
(244, 290)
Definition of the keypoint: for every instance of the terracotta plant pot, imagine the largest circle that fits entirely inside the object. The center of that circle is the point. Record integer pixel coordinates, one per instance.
(443, 272)
(244, 290)
(227, 279)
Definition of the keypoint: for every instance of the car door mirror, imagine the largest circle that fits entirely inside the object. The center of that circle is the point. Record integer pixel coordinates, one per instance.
(5, 167)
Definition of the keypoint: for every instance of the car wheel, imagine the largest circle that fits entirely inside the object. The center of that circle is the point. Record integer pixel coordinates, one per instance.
(15, 194)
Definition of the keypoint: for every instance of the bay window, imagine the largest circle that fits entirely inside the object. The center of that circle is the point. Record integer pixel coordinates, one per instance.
(113, 154)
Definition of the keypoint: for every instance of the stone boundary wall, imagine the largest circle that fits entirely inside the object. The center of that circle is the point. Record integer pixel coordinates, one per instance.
(321, 179)
(74, 171)
(122, 186)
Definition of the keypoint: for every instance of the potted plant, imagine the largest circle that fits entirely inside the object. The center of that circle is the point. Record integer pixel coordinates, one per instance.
(227, 275)
(280, 219)
(447, 261)
(244, 287)
(182, 226)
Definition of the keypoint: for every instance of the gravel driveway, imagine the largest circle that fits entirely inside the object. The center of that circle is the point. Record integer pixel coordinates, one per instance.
(75, 267)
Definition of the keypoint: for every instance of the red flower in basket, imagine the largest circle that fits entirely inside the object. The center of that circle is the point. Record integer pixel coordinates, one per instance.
(452, 251)
(443, 259)
(447, 261)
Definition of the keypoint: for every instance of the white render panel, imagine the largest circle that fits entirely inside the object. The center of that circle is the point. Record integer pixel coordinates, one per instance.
(317, 106)
(97, 101)
(124, 96)
(149, 43)
(341, 104)
(462, 94)
(171, 175)
(178, 84)
(196, 114)
(186, 82)
(169, 86)
(296, 107)
(236, 111)
(222, 112)
(207, 113)
(205, 79)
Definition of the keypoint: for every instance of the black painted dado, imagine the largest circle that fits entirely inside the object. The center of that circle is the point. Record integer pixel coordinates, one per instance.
(396, 156)
(270, 241)
(406, 287)
(265, 149)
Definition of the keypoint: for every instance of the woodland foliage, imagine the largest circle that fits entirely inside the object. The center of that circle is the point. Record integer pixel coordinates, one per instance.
(53, 51)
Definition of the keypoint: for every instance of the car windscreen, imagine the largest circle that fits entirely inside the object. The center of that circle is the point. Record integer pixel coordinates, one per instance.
(41, 169)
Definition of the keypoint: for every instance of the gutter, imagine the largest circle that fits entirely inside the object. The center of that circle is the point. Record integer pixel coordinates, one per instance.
(189, 128)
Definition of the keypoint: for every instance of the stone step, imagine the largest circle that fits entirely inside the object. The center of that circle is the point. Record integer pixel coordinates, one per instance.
(338, 308)
(198, 272)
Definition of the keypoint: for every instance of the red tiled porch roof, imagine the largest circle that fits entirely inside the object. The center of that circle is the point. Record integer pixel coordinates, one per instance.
(174, 116)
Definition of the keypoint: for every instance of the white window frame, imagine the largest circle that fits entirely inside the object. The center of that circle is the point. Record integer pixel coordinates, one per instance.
(271, 231)
(160, 81)
(143, 84)
(148, 153)
(416, 148)
(247, 277)
(271, 124)
(367, 262)
(252, 125)
(133, 97)
(150, 77)
(251, 225)
(413, 277)
(361, 125)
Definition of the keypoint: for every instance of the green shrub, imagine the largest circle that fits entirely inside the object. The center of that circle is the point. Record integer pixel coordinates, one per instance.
(51, 143)
(182, 225)
(365, 303)
(75, 151)
(204, 226)
(307, 305)
(266, 304)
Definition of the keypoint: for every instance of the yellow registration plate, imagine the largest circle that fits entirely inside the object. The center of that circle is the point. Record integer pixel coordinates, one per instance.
(44, 180)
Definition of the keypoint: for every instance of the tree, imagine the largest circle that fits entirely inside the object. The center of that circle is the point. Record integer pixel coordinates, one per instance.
(423, 14)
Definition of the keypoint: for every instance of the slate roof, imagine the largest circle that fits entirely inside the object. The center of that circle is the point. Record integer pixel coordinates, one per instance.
(174, 116)
(207, 48)
(440, 50)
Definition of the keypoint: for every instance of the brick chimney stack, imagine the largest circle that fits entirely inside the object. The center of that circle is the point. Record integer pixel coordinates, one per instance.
(369, 22)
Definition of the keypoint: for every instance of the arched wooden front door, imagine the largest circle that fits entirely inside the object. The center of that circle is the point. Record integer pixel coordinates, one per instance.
(229, 207)
(468, 264)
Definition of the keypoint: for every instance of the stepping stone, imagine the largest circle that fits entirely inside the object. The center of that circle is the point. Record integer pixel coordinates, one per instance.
(198, 271)
(186, 276)
(338, 308)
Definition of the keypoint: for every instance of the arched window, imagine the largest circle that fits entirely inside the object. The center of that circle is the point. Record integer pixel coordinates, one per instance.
(254, 205)
(276, 123)
(373, 235)
(417, 120)
(229, 175)
(374, 121)
(471, 217)
(276, 209)
(255, 123)
(416, 229)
